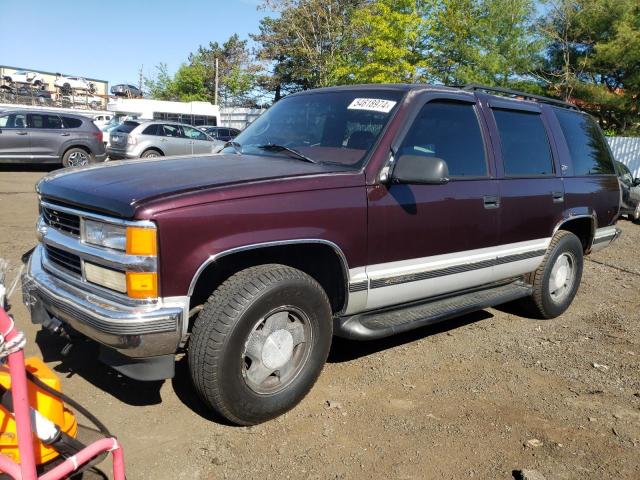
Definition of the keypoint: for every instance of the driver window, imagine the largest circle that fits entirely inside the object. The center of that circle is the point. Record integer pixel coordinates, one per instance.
(450, 131)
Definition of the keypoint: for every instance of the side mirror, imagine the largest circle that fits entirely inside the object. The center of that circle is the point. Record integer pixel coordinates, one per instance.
(636, 182)
(421, 170)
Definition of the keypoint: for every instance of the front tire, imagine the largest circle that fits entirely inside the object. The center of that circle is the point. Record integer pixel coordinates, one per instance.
(260, 343)
(557, 279)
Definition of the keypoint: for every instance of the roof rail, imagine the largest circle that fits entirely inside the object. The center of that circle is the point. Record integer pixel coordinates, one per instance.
(526, 96)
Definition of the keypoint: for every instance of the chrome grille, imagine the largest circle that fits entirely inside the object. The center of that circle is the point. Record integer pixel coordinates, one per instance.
(65, 260)
(63, 221)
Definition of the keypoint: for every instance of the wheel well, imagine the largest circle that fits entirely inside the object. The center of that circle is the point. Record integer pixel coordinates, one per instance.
(155, 149)
(82, 147)
(581, 228)
(317, 260)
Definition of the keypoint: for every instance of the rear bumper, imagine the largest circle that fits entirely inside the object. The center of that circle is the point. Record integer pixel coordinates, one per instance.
(134, 335)
(120, 154)
(605, 237)
(100, 157)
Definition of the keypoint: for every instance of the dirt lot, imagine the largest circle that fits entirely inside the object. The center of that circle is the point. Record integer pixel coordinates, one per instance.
(476, 397)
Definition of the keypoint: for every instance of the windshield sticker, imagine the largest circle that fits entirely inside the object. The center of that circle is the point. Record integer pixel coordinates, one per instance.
(374, 104)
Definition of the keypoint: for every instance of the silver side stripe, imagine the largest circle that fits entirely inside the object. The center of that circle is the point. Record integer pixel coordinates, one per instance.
(385, 282)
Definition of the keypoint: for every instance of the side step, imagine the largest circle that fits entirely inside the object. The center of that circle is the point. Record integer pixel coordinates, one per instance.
(384, 323)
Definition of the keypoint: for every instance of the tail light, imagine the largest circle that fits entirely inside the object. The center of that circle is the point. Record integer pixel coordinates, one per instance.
(131, 140)
(98, 135)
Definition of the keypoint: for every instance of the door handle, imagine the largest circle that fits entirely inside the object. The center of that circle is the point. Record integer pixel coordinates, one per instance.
(21, 133)
(65, 134)
(491, 201)
(558, 197)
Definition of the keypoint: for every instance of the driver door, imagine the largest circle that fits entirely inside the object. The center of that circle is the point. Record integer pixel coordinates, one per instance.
(15, 144)
(430, 240)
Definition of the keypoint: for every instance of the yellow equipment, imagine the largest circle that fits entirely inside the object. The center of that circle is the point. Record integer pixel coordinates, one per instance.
(45, 403)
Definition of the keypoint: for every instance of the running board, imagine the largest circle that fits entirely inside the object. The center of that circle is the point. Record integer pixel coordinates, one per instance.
(379, 324)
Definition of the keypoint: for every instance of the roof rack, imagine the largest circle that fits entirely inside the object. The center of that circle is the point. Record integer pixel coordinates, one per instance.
(526, 96)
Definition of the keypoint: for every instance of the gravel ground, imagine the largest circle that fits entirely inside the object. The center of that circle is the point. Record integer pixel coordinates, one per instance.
(480, 396)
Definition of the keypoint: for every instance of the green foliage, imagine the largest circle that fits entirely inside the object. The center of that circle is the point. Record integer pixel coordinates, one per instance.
(593, 58)
(388, 37)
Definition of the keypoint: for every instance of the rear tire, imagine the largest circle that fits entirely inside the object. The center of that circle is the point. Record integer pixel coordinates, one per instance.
(260, 343)
(151, 153)
(77, 157)
(557, 279)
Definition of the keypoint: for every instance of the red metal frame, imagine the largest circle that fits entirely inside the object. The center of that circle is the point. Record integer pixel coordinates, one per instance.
(26, 469)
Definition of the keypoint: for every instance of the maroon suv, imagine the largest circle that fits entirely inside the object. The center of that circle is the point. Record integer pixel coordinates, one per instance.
(358, 211)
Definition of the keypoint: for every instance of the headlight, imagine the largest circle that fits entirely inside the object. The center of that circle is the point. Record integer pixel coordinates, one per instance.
(132, 240)
(105, 235)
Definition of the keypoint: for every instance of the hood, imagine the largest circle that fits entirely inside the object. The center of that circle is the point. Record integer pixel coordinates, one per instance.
(119, 188)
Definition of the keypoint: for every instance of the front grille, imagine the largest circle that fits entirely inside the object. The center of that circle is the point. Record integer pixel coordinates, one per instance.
(65, 260)
(66, 222)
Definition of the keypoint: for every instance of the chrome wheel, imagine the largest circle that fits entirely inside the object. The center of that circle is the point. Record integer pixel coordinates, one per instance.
(562, 277)
(78, 158)
(276, 350)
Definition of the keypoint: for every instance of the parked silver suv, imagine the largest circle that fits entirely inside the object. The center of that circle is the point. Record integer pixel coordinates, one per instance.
(41, 136)
(156, 138)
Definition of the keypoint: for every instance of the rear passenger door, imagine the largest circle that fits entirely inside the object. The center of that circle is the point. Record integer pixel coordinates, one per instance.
(173, 141)
(531, 187)
(199, 141)
(430, 240)
(47, 134)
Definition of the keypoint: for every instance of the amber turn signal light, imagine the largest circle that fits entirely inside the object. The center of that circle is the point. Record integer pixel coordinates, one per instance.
(142, 284)
(141, 241)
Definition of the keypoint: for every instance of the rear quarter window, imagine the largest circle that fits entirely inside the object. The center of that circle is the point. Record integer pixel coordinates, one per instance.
(70, 122)
(126, 127)
(151, 130)
(589, 151)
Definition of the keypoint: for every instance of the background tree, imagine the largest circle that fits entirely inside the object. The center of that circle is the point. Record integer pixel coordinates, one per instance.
(303, 46)
(388, 44)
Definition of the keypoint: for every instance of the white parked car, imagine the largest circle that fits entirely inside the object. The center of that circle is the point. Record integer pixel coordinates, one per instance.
(74, 83)
(102, 120)
(22, 76)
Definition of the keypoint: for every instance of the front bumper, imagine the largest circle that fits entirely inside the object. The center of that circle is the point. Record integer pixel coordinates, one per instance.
(136, 332)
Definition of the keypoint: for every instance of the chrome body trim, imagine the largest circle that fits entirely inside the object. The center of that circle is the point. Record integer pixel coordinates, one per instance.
(135, 331)
(343, 260)
(415, 279)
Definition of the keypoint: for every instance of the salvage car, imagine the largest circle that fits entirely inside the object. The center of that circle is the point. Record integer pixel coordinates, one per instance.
(157, 138)
(357, 211)
(22, 76)
(41, 136)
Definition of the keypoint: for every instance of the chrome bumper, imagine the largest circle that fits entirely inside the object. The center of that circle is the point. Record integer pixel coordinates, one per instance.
(134, 331)
(604, 237)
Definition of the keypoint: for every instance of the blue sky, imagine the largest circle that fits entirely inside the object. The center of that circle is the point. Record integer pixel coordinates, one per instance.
(111, 39)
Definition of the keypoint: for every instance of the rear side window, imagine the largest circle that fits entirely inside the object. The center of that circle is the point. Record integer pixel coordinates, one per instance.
(524, 142)
(44, 121)
(151, 130)
(126, 127)
(450, 131)
(171, 131)
(589, 151)
(70, 122)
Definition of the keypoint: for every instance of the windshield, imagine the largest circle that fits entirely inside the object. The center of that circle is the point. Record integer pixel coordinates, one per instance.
(333, 127)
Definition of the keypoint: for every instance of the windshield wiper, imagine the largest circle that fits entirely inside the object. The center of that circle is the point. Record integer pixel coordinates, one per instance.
(281, 148)
(236, 146)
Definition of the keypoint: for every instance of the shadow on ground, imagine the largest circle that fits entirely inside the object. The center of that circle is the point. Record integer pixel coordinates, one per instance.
(82, 360)
(29, 167)
(343, 350)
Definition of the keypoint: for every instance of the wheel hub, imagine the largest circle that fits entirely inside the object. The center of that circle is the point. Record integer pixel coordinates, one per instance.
(277, 349)
(561, 276)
